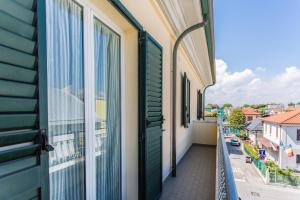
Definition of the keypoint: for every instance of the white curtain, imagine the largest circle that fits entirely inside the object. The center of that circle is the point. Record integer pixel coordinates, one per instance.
(65, 99)
(108, 112)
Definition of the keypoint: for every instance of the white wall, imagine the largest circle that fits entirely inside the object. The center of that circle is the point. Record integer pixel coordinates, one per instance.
(205, 132)
(269, 132)
(147, 12)
(289, 136)
(150, 17)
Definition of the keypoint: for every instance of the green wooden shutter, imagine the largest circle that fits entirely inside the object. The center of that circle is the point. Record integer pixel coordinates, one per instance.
(185, 119)
(199, 104)
(183, 100)
(23, 100)
(151, 119)
(188, 101)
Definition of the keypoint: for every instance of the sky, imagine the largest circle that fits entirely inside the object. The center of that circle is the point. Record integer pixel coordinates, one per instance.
(257, 46)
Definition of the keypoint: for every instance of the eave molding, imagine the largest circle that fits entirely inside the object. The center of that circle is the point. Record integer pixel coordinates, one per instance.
(177, 19)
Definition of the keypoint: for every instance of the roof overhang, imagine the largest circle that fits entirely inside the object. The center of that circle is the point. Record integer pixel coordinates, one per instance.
(182, 14)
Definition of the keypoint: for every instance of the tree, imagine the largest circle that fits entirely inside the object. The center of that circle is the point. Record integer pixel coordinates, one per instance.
(291, 104)
(227, 105)
(214, 114)
(246, 105)
(262, 111)
(237, 119)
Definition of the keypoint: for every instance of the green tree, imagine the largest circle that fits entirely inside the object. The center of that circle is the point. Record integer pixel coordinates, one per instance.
(262, 111)
(237, 119)
(291, 104)
(214, 114)
(246, 105)
(227, 105)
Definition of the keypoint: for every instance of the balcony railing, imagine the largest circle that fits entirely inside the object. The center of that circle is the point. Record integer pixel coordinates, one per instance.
(225, 184)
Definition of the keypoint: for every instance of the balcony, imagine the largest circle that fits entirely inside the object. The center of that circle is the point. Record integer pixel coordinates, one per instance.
(205, 171)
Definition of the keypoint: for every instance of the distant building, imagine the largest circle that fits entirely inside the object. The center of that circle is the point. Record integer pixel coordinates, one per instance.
(282, 133)
(228, 110)
(255, 131)
(274, 109)
(250, 114)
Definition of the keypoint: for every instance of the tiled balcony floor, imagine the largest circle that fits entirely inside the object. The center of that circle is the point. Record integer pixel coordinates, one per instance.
(195, 176)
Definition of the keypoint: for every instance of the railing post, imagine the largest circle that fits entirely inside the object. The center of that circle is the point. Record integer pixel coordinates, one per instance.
(267, 176)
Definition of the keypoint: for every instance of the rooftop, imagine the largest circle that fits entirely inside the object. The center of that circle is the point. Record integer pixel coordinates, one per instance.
(255, 125)
(292, 117)
(249, 111)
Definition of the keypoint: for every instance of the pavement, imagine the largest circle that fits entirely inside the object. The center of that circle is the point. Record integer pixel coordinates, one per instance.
(250, 184)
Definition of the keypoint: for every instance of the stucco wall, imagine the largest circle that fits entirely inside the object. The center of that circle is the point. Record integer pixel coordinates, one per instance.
(270, 130)
(149, 16)
(204, 133)
(289, 137)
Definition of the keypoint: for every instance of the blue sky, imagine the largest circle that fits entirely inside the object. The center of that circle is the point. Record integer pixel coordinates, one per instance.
(262, 36)
(258, 33)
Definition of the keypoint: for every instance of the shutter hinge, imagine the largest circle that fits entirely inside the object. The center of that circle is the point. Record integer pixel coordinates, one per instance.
(42, 139)
(141, 138)
(141, 38)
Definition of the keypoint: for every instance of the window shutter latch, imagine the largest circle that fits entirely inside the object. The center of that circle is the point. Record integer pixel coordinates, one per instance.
(42, 139)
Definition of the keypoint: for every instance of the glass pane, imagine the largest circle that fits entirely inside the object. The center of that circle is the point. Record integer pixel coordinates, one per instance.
(108, 112)
(66, 99)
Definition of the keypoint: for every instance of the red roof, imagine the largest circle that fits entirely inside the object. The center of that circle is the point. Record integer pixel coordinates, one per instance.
(292, 117)
(249, 111)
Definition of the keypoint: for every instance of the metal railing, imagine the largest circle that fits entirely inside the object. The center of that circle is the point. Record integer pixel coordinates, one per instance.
(225, 184)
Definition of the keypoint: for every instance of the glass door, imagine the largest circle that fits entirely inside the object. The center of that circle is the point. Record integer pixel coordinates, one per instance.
(108, 112)
(84, 103)
(65, 72)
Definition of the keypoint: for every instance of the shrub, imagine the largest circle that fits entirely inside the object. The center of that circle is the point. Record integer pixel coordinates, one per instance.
(214, 114)
(271, 164)
(286, 172)
(242, 135)
(251, 151)
(256, 147)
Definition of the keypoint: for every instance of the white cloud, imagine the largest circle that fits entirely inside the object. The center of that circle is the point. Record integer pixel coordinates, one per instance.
(246, 86)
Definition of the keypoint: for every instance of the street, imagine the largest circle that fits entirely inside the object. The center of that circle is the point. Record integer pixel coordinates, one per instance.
(250, 185)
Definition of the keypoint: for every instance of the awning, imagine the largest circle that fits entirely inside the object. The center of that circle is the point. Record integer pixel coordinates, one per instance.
(267, 143)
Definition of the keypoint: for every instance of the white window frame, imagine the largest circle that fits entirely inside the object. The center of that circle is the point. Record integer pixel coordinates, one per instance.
(89, 12)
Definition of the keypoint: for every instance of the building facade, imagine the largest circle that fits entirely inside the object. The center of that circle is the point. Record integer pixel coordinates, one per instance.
(255, 131)
(250, 114)
(281, 136)
(86, 95)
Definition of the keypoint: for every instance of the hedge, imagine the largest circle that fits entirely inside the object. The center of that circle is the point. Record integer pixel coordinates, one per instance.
(251, 151)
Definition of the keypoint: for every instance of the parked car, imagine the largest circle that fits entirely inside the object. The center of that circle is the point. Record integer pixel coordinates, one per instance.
(235, 142)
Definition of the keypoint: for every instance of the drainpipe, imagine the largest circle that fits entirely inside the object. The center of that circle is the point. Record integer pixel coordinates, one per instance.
(179, 39)
(203, 100)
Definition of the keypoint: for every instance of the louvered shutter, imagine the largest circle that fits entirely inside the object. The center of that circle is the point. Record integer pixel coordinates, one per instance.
(23, 100)
(185, 119)
(188, 101)
(183, 100)
(150, 176)
(199, 104)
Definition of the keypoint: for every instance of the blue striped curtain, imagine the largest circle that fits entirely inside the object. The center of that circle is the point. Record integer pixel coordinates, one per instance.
(108, 112)
(66, 99)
